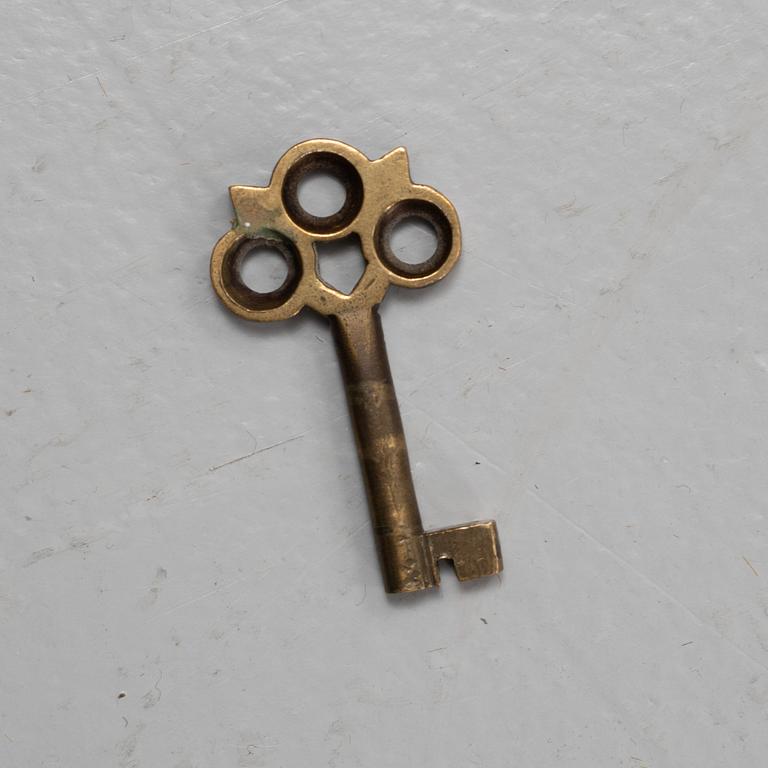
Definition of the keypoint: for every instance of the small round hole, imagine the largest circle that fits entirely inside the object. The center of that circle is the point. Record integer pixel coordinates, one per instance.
(413, 240)
(263, 269)
(261, 273)
(321, 194)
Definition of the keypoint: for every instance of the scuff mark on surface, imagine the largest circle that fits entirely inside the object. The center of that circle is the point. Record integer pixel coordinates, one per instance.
(255, 452)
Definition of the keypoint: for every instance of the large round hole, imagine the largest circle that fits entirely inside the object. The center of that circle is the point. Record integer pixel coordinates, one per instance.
(326, 182)
(321, 194)
(413, 240)
(263, 269)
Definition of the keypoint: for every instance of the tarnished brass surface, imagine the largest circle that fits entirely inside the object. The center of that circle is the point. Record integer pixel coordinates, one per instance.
(379, 195)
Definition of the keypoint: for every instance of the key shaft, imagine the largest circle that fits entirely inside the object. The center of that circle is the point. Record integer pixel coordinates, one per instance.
(406, 562)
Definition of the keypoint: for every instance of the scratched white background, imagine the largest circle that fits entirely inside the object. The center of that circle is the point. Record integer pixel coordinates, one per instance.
(594, 375)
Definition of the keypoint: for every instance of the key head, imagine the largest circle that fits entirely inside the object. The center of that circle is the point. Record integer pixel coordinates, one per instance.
(379, 195)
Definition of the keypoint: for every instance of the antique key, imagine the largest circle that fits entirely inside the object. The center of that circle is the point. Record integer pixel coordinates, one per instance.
(379, 196)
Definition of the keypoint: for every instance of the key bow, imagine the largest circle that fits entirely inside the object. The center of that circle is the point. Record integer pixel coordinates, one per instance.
(379, 195)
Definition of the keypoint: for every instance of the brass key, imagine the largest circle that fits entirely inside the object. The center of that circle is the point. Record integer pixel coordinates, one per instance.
(379, 195)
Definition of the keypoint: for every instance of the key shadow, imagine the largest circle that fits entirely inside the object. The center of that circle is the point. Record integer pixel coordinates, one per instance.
(406, 296)
(411, 598)
(306, 318)
(446, 574)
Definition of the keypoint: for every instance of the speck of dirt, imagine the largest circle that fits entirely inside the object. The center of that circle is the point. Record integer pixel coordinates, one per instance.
(121, 695)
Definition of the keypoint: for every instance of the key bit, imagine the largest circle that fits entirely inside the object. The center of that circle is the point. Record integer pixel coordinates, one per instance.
(379, 195)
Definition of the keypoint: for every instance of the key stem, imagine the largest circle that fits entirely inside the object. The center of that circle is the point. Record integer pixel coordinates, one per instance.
(403, 548)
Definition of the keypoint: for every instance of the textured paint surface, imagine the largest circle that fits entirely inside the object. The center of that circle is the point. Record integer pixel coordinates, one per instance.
(187, 575)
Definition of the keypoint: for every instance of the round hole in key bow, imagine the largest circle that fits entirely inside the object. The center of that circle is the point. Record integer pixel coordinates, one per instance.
(317, 165)
(403, 244)
(321, 194)
(413, 240)
(263, 269)
(261, 273)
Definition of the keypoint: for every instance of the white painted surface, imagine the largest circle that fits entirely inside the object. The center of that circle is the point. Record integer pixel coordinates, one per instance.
(594, 375)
